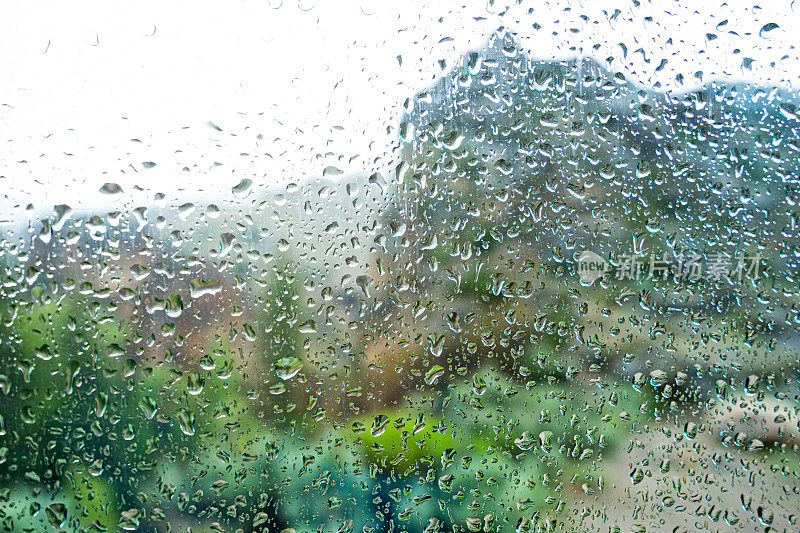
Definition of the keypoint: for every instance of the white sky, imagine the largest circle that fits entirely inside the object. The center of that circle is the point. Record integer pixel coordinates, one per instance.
(318, 79)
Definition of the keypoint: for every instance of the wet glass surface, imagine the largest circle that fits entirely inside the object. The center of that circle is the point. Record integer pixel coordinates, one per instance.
(400, 267)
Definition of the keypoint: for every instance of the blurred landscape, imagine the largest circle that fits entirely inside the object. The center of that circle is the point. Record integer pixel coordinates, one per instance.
(415, 350)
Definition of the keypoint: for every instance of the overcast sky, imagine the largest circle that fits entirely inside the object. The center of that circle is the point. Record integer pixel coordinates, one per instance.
(320, 81)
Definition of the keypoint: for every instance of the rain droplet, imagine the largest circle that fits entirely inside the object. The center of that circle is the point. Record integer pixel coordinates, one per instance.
(242, 190)
(56, 514)
(288, 367)
(111, 188)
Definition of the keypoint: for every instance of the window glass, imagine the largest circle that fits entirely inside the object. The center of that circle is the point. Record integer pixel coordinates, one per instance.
(364, 266)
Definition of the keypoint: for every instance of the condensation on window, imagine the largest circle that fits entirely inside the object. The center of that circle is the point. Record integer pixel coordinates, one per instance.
(303, 266)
